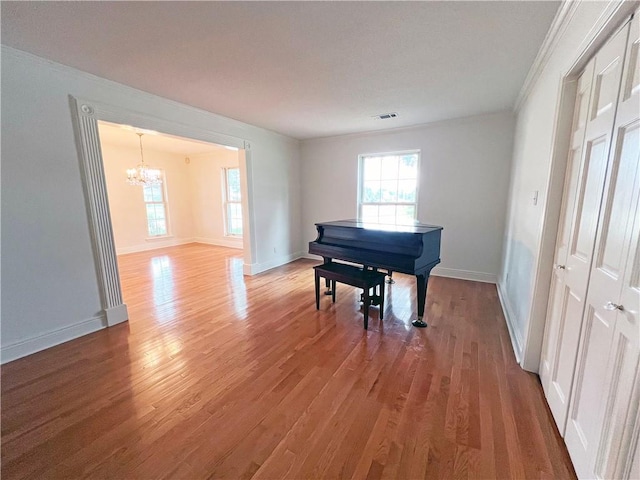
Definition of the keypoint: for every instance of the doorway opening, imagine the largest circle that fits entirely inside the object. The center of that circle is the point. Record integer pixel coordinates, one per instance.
(190, 192)
(198, 197)
(86, 115)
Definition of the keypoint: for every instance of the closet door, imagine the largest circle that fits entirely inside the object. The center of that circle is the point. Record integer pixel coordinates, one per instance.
(604, 402)
(618, 455)
(565, 309)
(569, 295)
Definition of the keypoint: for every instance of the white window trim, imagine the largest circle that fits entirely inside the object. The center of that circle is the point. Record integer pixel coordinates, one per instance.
(165, 202)
(361, 158)
(226, 202)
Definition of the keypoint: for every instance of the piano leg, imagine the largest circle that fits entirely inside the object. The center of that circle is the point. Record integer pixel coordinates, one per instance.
(421, 294)
(327, 283)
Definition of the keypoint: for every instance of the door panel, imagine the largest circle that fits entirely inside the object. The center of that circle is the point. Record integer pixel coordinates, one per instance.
(562, 331)
(570, 329)
(573, 172)
(609, 256)
(588, 205)
(615, 451)
(607, 85)
(632, 79)
(596, 340)
(550, 350)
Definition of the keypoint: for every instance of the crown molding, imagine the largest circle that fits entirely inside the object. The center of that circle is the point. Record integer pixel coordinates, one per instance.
(613, 13)
(556, 30)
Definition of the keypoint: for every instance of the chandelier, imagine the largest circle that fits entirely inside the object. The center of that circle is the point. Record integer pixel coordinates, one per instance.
(143, 174)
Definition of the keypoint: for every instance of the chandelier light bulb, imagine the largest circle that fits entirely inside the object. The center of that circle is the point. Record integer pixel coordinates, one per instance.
(143, 174)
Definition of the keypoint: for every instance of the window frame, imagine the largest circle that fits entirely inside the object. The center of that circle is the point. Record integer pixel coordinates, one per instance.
(164, 203)
(399, 153)
(226, 203)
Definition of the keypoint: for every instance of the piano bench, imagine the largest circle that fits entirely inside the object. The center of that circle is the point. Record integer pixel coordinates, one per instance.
(354, 276)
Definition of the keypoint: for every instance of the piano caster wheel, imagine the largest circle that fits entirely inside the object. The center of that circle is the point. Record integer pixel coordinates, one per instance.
(390, 280)
(419, 323)
(328, 292)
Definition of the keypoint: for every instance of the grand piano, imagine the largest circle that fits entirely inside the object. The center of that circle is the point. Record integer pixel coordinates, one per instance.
(412, 249)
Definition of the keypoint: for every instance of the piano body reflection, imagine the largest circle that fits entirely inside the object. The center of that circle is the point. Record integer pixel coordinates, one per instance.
(412, 249)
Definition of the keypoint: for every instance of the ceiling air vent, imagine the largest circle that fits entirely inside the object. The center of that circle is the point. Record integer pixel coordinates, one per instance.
(385, 116)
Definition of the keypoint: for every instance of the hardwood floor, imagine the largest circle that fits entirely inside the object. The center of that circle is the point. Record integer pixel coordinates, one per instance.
(217, 375)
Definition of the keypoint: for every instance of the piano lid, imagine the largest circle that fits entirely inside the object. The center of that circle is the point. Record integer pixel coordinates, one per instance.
(400, 248)
(413, 228)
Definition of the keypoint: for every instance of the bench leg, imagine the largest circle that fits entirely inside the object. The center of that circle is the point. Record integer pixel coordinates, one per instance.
(317, 291)
(381, 300)
(333, 291)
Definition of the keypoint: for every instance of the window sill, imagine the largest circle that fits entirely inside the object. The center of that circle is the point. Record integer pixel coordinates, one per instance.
(158, 237)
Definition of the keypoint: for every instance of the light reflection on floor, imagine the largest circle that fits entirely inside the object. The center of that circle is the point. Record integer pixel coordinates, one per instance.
(155, 352)
(237, 286)
(168, 281)
(163, 288)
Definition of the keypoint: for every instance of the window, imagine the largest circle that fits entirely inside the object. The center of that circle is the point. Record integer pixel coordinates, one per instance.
(232, 202)
(154, 199)
(388, 190)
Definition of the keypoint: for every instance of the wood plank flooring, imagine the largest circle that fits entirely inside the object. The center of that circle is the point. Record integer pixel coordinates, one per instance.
(217, 375)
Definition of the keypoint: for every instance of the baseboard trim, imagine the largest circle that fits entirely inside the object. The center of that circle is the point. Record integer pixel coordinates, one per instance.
(153, 245)
(28, 346)
(116, 315)
(256, 268)
(516, 341)
(464, 274)
(221, 242)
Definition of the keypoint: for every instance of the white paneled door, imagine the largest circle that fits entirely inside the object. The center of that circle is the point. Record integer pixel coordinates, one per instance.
(589, 366)
(561, 336)
(593, 125)
(606, 376)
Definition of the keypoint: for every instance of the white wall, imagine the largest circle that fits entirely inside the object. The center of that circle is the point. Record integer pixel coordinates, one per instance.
(49, 278)
(277, 195)
(128, 214)
(205, 174)
(464, 175)
(530, 233)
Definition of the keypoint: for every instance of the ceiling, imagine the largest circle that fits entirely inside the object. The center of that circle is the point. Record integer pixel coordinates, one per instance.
(304, 69)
